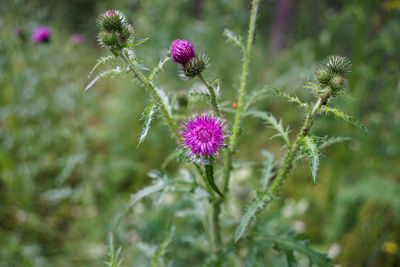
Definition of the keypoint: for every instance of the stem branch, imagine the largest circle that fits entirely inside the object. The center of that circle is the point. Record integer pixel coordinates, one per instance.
(210, 88)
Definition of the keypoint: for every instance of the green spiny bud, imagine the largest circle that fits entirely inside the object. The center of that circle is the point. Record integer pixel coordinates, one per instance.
(323, 76)
(337, 83)
(337, 64)
(194, 66)
(109, 39)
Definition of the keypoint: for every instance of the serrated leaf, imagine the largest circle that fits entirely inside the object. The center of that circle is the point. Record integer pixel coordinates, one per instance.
(325, 141)
(268, 165)
(199, 89)
(100, 61)
(293, 99)
(137, 43)
(210, 179)
(288, 243)
(147, 117)
(341, 115)
(251, 210)
(113, 254)
(157, 68)
(315, 87)
(106, 73)
(234, 39)
(254, 96)
(273, 123)
(164, 99)
(160, 185)
(162, 248)
(310, 147)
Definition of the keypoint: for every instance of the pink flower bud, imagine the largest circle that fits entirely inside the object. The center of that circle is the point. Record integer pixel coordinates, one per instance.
(181, 51)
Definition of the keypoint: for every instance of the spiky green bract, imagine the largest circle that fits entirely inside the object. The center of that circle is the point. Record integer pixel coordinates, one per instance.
(114, 30)
(310, 148)
(323, 76)
(194, 67)
(337, 83)
(337, 64)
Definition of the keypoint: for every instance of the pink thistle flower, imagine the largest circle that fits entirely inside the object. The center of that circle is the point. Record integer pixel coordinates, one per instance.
(41, 34)
(203, 135)
(181, 51)
(109, 13)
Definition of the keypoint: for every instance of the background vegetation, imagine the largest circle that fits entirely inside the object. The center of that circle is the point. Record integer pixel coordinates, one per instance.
(68, 158)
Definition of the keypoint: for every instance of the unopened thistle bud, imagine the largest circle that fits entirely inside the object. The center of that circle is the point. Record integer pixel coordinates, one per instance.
(182, 100)
(337, 83)
(337, 64)
(182, 52)
(114, 30)
(323, 76)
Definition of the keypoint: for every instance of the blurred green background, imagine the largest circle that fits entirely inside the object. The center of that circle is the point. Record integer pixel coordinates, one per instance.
(68, 158)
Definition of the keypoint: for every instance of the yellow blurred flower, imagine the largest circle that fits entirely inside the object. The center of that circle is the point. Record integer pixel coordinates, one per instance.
(390, 247)
(391, 5)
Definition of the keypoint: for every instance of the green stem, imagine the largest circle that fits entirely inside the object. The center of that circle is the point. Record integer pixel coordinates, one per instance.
(287, 165)
(240, 101)
(213, 97)
(153, 93)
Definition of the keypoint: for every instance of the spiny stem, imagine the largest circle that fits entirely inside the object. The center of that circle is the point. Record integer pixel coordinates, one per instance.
(240, 101)
(153, 92)
(291, 155)
(210, 88)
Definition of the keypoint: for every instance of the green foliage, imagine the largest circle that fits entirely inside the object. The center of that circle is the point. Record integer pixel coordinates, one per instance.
(250, 212)
(273, 123)
(113, 254)
(291, 99)
(209, 171)
(254, 96)
(162, 249)
(233, 38)
(147, 117)
(157, 68)
(341, 115)
(267, 169)
(107, 73)
(289, 244)
(310, 148)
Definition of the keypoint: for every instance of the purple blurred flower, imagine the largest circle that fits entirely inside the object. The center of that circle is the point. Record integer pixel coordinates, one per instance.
(181, 51)
(77, 38)
(203, 134)
(41, 34)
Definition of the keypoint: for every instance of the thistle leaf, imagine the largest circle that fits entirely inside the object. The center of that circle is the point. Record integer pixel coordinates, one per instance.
(157, 68)
(147, 117)
(162, 248)
(113, 254)
(288, 244)
(106, 73)
(164, 99)
(341, 115)
(291, 99)
(137, 43)
(273, 123)
(266, 173)
(310, 148)
(234, 39)
(100, 61)
(325, 141)
(210, 179)
(199, 89)
(255, 95)
(251, 210)
(160, 185)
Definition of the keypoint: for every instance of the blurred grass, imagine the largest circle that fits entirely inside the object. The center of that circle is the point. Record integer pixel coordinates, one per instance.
(68, 158)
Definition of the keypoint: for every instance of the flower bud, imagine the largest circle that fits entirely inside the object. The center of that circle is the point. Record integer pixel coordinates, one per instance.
(109, 39)
(337, 64)
(337, 83)
(182, 100)
(181, 51)
(110, 21)
(323, 76)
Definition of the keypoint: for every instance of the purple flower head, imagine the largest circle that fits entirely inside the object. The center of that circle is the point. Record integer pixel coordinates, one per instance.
(41, 34)
(77, 38)
(181, 51)
(203, 135)
(109, 13)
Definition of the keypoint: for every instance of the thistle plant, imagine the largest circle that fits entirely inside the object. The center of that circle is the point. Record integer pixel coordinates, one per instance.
(209, 143)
